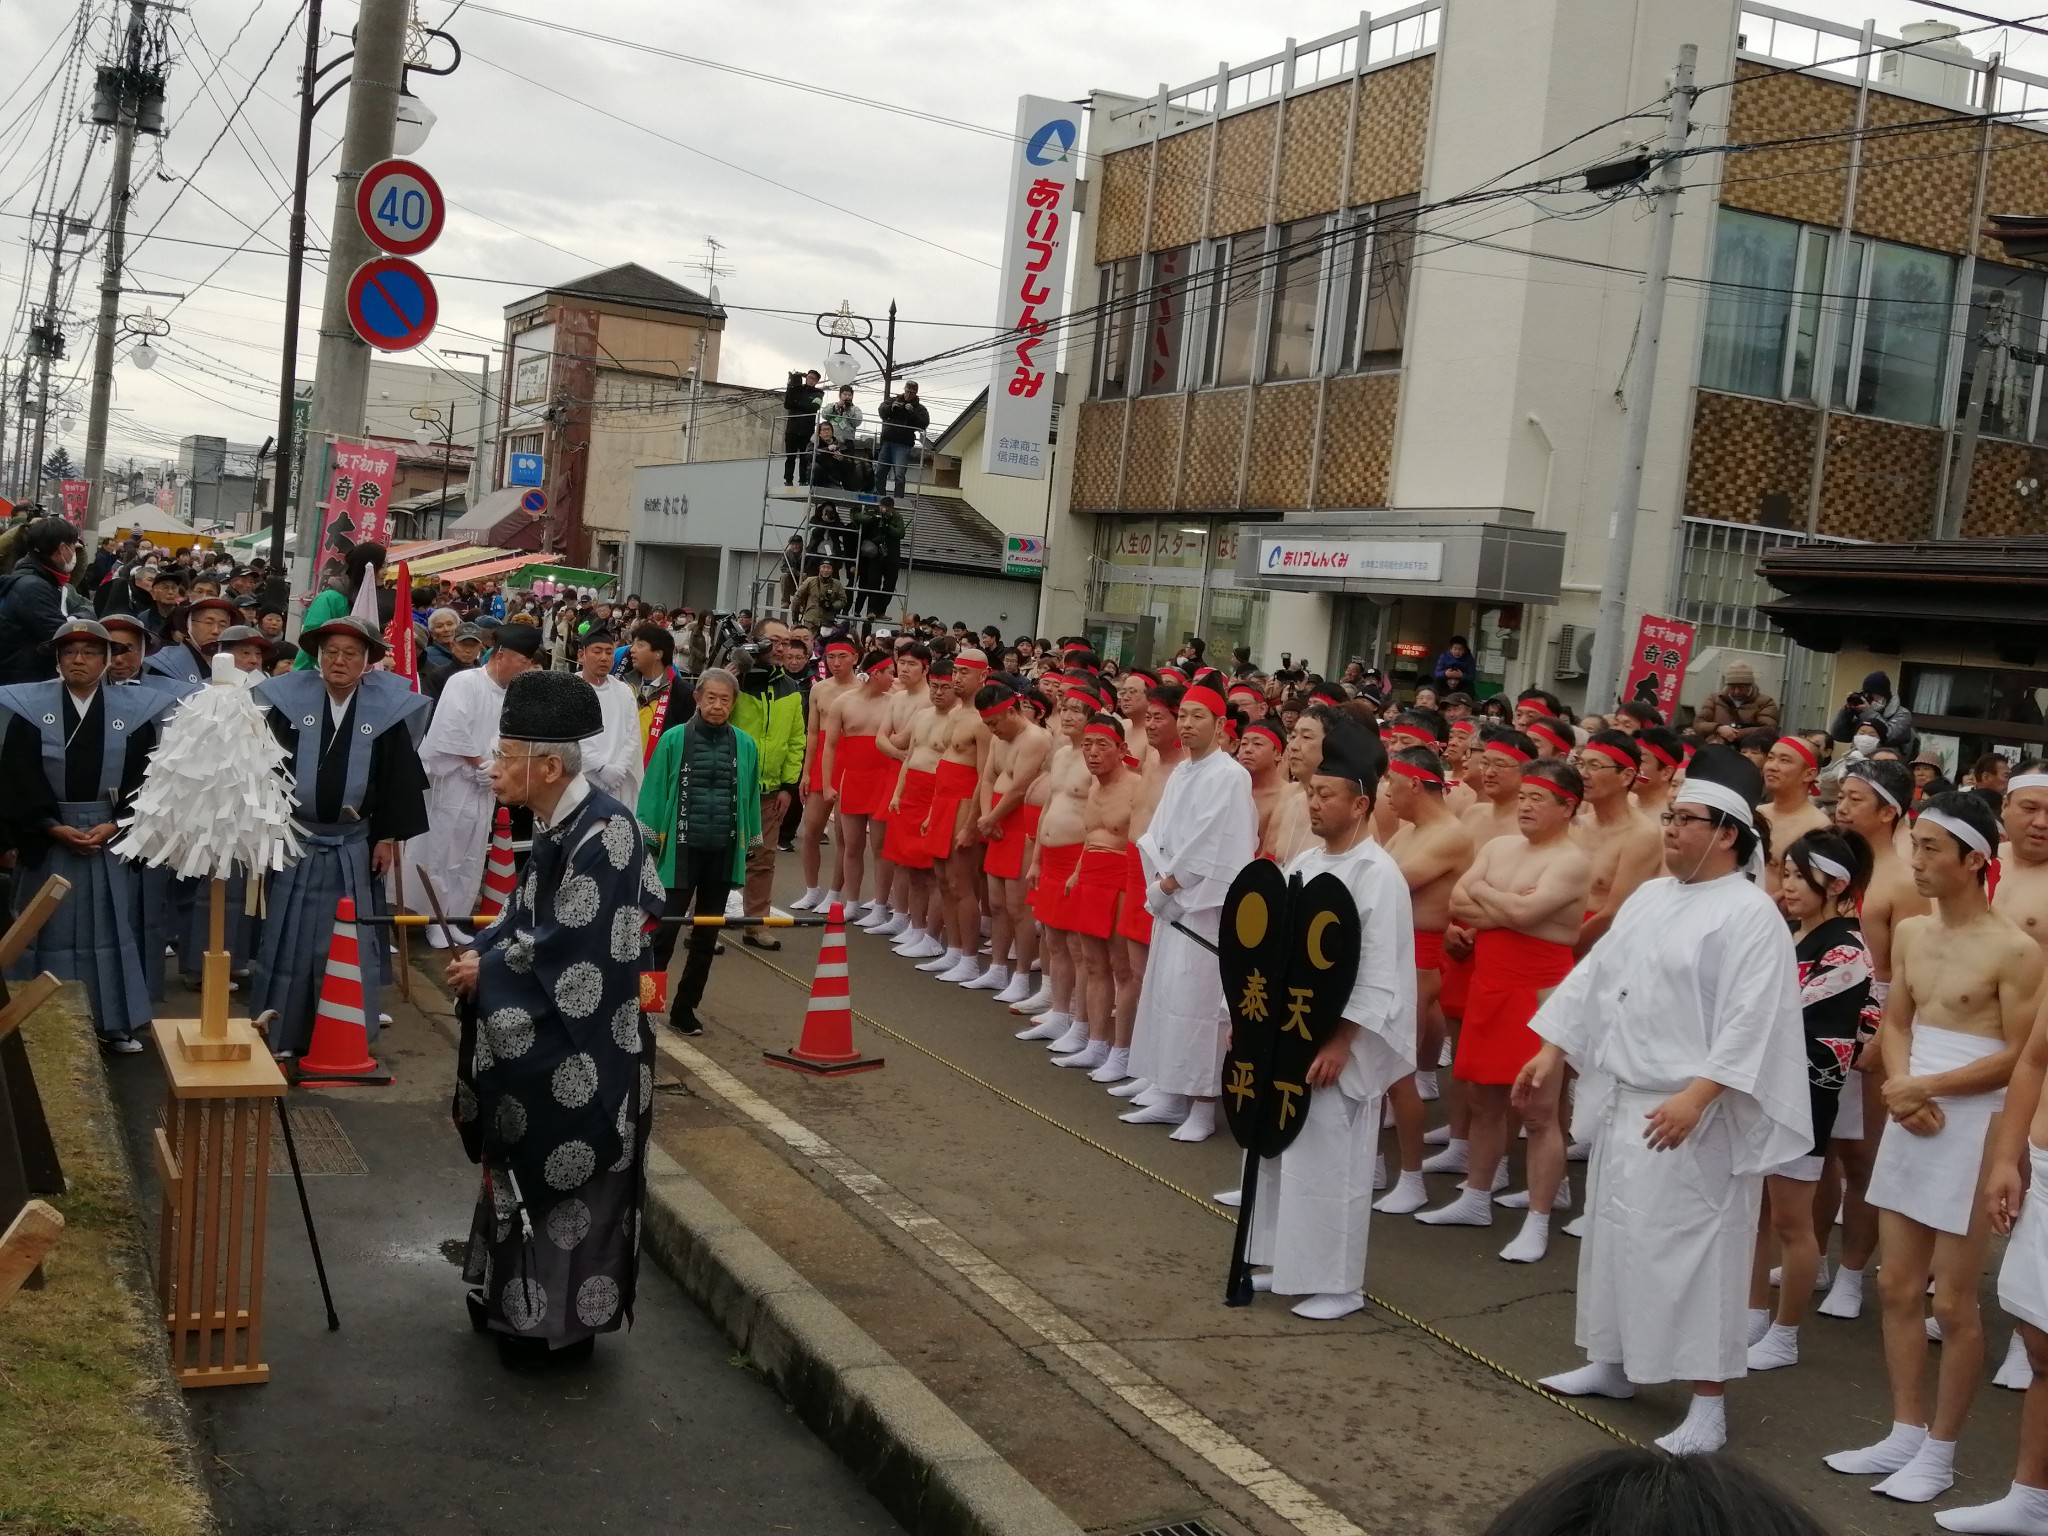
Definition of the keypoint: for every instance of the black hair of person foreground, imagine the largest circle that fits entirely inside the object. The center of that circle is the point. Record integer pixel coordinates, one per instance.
(1642, 1492)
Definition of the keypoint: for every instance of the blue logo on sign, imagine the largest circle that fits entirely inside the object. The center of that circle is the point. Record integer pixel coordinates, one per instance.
(1273, 553)
(1059, 134)
(525, 469)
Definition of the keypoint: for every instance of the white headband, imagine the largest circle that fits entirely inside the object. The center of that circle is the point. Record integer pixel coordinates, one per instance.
(1829, 867)
(1876, 788)
(1959, 829)
(2026, 781)
(1719, 796)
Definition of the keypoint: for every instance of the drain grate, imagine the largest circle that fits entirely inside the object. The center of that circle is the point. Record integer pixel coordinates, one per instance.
(324, 1147)
(1178, 1528)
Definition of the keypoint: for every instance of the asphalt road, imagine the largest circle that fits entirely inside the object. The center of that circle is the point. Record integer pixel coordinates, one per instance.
(405, 1421)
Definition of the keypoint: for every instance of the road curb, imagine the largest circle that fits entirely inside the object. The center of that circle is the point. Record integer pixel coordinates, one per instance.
(918, 1457)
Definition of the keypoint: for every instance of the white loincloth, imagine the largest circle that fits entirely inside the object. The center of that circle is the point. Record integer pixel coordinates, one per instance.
(1315, 1199)
(1664, 1268)
(2023, 1277)
(1933, 1179)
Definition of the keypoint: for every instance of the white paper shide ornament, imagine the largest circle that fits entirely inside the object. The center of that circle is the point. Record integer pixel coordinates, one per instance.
(213, 801)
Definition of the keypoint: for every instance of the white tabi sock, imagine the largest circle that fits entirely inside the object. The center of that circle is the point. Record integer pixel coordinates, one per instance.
(1408, 1196)
(1472, 1208)
(1704, 1431)
(1822, 1274)
(1437, 1136)
(1263, 1280)
(1445, 1053)
(1518, 1199)
(1131, 1087)
(941, 962)
(1328, 1307)
(1596, 1378)
(1116, 1066)
(1845, 1296)
(1050, 1026)
(1200, 1123)
(878, 917)
(1778, 1348)
(896, 927)
(1532, 1242)
(1888, 1455)
(1020, 987)
(1073, 1039)
(1450, 1160)
(1759, 1324)
(1426, 1088)
(2022, 1512)
(2015, 1371)
(1037, 1002)
(830, 900)
(909, 939)
(1500, 1177)
(808, 900)
(1167, 1109)
(1088, 1058)
(994, 979)
(1930, 1474)
(1933, 1326)
(1235, 1198)
(968, 969)
(1576, 1227)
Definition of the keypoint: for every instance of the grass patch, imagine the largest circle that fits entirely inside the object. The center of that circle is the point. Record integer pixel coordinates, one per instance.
(89, 1422)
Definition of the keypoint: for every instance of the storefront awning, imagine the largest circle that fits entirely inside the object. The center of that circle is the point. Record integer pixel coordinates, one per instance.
(562, 575)
(439, 566)
(1482, 554)
(1896, 598)
(485, 569)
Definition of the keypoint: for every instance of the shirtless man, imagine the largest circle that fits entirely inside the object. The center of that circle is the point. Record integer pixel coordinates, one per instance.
(1871, 803)
(1131, 689)
(1096, 888)
(1966, 984)
(818, 799)
(1062, 827)
(1461, 764)
(1282, 804)
(1433, 850)
(893, 882)
(1004, 824)
(1790, 768)
(963, 741)
(1164, 752)
(2016, 1174)
(1663, 761)
(908, 844)
(858, 778)
(1625, 846)
(1526, 897)
(931, 806)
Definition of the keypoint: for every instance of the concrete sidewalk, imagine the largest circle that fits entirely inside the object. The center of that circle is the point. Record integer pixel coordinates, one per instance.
(405, 1421)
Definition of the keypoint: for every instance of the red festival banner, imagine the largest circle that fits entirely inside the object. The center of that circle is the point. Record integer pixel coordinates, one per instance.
(357, 506)
(1656, 667)
(404, 643)
(77, 496)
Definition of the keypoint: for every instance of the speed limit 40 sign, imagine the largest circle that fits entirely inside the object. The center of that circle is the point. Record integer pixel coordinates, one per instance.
(400, 208)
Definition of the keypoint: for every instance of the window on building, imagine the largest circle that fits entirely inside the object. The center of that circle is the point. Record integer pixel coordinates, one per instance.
(2010, 391)
(1750, 304)
(1377, 262)
(1117, 281)
(1901, 335)
(1166, 320)
(1297, 293)
(1239, 267)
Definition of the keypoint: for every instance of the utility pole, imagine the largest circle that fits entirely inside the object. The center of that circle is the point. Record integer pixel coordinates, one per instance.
(117, 241)
(284, 467)
(341, 379)
(1604, 675)
(46, 345)
(1990, 357)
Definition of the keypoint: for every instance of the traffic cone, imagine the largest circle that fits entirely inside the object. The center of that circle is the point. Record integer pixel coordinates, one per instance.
(498, 877)
(826, 1048)
(340, 1052)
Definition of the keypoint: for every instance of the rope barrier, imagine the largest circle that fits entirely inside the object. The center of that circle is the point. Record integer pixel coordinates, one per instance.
(1211, 1208)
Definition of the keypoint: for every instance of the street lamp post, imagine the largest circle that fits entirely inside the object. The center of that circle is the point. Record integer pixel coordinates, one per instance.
(427, 417)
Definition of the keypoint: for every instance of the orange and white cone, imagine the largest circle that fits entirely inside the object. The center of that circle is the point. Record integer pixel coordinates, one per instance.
(499, 878)
(340, 1051)
(826, 1047)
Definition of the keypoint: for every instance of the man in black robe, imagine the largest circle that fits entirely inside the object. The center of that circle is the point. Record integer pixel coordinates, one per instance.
(555, 1077)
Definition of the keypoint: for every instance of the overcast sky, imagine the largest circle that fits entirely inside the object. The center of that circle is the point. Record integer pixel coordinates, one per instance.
(545, 186)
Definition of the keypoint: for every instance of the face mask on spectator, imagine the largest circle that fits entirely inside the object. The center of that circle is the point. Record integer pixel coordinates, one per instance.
(1866, 742)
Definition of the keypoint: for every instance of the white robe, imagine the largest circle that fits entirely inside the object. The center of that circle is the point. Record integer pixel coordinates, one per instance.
(1693, 981)
(460, 804)
(1314, 1200)
(1205, 830)
(612, 761)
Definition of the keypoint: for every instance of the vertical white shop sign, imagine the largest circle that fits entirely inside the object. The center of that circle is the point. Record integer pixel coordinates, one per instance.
(1038, 222)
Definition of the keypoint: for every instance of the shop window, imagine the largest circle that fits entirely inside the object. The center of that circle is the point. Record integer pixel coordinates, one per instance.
(1117, 282)
(1166, 320)
(1297, 290)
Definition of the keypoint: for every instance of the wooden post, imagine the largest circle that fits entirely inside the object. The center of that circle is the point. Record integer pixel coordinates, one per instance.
(28, 1240)
(208, 1038)
(22, 931)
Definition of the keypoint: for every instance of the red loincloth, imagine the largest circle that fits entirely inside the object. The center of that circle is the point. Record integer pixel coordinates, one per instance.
(1134, 922)
(1049, 896)
(1091, 907)
(905, 844)
(1007, 845)
(954, 786)
(1509, 969)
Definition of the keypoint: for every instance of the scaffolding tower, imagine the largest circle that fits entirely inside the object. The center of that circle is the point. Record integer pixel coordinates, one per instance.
(793, 511)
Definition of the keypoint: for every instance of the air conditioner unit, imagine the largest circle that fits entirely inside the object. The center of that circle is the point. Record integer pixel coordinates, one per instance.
(1574, 651)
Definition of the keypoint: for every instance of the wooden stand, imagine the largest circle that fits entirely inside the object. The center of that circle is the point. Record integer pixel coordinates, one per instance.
(206, 1038)
(213, 1161)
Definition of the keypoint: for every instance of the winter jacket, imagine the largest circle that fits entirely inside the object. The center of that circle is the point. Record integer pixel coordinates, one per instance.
(772, 712)
(903, 419)
(1760, 711)
(1893, 720)
(819, 600)
(800, 402)
(34, 600)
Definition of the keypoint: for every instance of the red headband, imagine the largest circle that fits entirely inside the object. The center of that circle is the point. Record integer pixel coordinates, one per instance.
(1246, 689)
(1178, 677)
(1097, 728)
(1538, 705)
(1083, 691)
(1608, 750)
(1556, 789)
(1207, 697)
(1465, 727)
(1508, 750)
(1265, 729)
(1803, 749)
(1544, 733)
(1419, 775)
(1413, 733)
(840, 645)
(996, 709)
(1659, 753)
